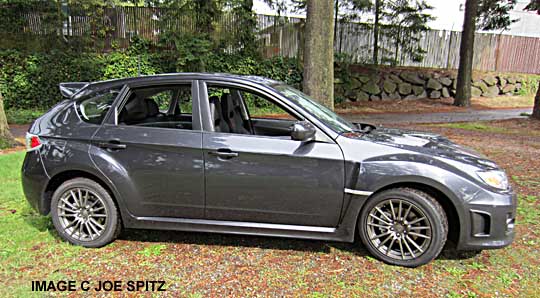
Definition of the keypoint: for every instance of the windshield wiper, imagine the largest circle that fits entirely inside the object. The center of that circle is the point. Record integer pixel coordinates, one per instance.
(364, 127)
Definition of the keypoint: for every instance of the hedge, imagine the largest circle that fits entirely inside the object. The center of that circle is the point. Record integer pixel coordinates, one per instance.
(30, 80)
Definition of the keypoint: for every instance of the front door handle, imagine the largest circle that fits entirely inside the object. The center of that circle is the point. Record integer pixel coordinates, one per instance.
(112, 145)
(224, 153)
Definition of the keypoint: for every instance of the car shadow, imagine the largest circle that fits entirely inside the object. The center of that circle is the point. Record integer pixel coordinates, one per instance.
(44, 223)
(317, 246)
(231, 240)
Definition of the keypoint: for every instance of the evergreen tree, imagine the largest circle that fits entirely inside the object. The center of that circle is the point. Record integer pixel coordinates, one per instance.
(484, 14)
(534, 5)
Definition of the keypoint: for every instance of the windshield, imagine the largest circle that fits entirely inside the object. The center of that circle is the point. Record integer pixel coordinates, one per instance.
(321, 112)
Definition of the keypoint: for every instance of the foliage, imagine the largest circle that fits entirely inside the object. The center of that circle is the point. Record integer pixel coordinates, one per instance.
(343, 75)
(23, 116)
(406, 21)
(200, 32)
(493, 14)
(534, 5)
(529, 85)
(247, 22)
(12, 25)
(228, 25)
(30, 80)
(191, 51)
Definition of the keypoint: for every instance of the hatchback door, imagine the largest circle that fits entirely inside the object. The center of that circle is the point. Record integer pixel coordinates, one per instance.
(151, 150)
(256, 173)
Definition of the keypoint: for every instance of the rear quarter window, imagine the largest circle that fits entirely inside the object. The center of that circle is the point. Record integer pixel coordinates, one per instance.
(94, 108)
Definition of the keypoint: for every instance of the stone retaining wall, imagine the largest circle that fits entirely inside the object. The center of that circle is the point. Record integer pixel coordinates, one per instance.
(394, 84)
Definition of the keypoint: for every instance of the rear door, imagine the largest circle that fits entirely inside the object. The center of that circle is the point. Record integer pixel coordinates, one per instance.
(151, 149)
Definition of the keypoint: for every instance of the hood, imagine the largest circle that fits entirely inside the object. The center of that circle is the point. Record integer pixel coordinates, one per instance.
(425, 143)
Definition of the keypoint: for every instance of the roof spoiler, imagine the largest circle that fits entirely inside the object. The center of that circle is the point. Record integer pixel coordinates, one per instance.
(70, 88)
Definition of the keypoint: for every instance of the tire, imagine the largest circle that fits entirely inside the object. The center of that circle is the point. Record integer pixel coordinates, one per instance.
(400, 237)
(84, 213)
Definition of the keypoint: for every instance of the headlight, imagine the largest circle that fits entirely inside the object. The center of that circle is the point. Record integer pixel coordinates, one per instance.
(495, 179)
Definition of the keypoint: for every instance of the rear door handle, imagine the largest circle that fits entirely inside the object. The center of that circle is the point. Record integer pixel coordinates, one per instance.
(111, 144)
(224, 153)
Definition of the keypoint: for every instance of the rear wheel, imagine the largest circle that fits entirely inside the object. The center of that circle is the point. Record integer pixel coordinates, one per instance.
(84, 213)
(403, 226)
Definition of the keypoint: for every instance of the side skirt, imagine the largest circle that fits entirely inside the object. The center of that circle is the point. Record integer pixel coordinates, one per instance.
(344, 232)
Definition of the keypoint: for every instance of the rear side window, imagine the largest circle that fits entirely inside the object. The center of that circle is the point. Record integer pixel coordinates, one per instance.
(94, 108)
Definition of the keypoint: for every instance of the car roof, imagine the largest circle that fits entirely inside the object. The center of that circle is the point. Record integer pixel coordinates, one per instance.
(93, 87)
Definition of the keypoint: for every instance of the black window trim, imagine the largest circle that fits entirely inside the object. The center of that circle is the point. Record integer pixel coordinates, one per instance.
(112, 117)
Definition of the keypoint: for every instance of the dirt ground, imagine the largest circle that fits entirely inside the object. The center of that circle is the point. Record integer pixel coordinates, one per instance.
(213, 265)
(427, 105)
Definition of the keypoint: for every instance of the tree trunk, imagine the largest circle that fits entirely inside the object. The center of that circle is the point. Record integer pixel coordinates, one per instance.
(536, 109)
(376, 32)
(319, 52)
(466, 51)
(6, 139)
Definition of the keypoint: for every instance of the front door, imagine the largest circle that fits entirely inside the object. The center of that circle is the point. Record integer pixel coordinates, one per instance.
(254, 171)
(152, 152)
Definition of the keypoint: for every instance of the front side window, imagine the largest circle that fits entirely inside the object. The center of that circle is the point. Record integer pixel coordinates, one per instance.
(94, 108)
(162, 106)
(240, 111)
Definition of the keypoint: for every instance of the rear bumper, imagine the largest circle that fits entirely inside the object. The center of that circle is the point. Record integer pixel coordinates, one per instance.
(34, 180)
(490, 224)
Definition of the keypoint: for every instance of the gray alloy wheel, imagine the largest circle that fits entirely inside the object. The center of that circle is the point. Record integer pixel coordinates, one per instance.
(403, 227)
(84, 213)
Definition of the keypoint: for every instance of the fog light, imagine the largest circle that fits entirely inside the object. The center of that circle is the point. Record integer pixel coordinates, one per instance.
(510, 221)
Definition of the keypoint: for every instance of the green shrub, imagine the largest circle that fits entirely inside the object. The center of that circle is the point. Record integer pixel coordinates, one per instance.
(22, 116)
(30, 80)
(529, 85)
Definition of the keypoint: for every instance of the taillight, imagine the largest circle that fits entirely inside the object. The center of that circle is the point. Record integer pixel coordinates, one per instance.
(32, 142)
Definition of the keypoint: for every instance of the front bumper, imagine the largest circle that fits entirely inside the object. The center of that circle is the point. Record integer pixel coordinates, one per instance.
(489, 224)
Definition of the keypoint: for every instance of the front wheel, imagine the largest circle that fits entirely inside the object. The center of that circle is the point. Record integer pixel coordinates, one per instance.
(84, 213)
(403, 226)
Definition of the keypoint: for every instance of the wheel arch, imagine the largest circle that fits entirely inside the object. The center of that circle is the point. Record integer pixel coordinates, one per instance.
(66, 175)
(443, 195)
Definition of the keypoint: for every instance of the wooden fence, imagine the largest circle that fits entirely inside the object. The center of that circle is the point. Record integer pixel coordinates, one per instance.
(492, 52)
(277, 36)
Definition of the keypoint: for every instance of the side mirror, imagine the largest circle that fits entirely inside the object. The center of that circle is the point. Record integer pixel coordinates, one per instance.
(303, 131)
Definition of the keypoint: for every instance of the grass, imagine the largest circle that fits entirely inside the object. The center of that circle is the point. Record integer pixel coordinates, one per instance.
(478, 126)
(515, 101)
(4, 144)
(212, 265)
(22, 116)
(489, 128)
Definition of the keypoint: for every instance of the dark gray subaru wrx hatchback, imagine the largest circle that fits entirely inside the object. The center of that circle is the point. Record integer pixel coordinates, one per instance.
(198, 152)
